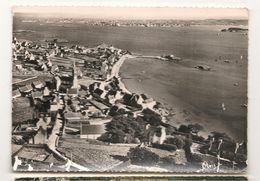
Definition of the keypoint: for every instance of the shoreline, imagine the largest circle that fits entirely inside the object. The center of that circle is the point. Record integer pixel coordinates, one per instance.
(116, 69)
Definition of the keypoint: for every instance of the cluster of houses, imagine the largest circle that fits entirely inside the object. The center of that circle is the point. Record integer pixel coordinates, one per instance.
(58, 97)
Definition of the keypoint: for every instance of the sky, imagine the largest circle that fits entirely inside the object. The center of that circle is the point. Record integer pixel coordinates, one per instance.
(135, 13)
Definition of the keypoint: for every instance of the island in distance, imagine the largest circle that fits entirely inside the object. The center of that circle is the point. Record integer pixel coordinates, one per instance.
(135, 94)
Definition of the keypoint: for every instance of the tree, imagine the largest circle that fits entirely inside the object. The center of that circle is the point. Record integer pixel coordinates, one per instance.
(184, 129)
(151, 117)
(124, 129)
(195, 128)
(186, 147)
(178, 141)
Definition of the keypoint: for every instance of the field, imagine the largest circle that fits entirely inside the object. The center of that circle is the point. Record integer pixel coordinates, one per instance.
(101, 156)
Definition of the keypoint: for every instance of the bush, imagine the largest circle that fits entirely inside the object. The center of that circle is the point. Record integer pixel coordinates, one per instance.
(178, 141)
(142, 156)
(118, 137)
(204, 149)
(167, 161)
(195, 128)
(198, 138)
(170, 130)
(184, 129)
(168, 147)
(196, 158)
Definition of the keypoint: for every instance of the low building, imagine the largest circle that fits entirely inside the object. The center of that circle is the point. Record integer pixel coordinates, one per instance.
(37, 84)
(91, 131)
(155, 134)
(99, 93)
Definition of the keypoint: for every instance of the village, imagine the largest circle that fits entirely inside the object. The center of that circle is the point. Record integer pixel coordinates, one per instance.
(72, 112)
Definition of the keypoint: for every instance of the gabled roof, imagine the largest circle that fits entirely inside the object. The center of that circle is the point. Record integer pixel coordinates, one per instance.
(26, 88)
(98, 91)
(127, 97)
(37, 83)
(112, 92)
(99, 105)
(144, 96)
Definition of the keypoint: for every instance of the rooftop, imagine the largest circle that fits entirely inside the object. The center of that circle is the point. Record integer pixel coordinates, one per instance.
(99, 105)
(26, 88)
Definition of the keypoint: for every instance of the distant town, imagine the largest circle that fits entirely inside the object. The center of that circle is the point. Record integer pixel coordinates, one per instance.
(133, 23)
(72, 112)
